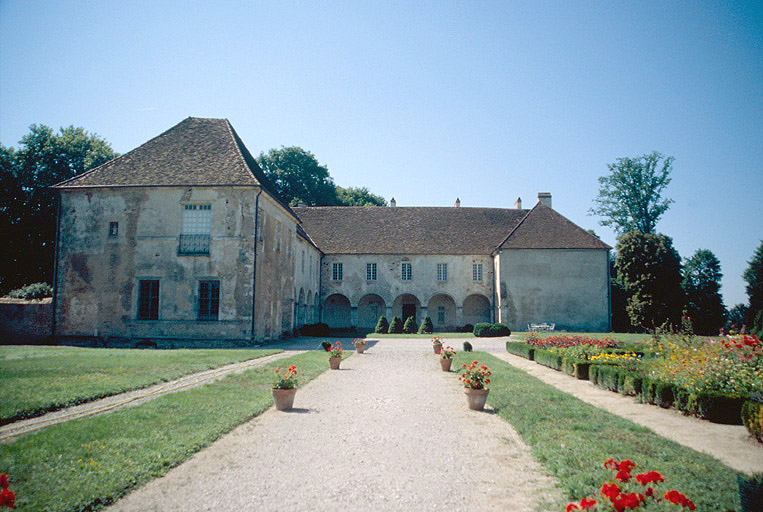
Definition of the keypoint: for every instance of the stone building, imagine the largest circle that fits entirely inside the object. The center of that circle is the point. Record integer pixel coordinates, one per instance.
(184, 238)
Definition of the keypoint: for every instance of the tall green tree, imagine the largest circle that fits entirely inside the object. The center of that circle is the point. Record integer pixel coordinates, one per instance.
(702, 285)
(353, 196)
(650, 270)
(28, 205)
(630, 196)
(754, 277)
(298, 177)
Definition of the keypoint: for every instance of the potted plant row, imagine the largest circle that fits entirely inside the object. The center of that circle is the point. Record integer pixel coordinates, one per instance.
(360, 345)
(446, 358)
(335, 355)
(285, 387)
(475, 377)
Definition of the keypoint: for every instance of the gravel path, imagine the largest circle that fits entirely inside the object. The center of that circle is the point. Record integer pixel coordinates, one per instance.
(390, 431)
(731, 444)
(14, 430)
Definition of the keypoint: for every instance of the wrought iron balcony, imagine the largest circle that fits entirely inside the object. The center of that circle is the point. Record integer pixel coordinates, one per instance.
(193, 244)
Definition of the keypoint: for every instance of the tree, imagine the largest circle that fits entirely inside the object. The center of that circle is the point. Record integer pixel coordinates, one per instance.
(28, 205)
(298, 177)
(754, 277)
(736, 317)
(352, 196)
(621, 322)
(650, 269)
(702, 284)
(630, 197)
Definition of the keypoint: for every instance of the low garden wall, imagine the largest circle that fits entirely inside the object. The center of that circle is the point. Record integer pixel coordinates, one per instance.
(25, 321)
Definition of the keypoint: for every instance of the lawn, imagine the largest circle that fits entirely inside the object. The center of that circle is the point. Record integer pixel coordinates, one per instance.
(36, 380)
(573, 439)
(89, 463)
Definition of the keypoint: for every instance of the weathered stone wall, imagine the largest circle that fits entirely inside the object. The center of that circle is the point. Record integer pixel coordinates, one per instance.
(25, 321)
(567, 287)
(306, 283)
(98, 274)
(367, 300)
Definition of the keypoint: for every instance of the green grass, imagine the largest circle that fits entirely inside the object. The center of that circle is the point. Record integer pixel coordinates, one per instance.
(36, 380)
(622, 337)
(426, 336)
(573, 439)
(89, 463)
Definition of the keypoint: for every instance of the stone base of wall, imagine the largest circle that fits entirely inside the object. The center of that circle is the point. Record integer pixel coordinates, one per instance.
(25, 322)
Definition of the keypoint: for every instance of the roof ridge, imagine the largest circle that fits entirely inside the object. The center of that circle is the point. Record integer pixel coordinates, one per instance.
(511, 232)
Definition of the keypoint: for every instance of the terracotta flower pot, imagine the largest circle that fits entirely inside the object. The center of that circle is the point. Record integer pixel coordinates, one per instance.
(284, 398)
(334, 362)
(437, 347)
(360, 348)
(445, 364)
(476, 398)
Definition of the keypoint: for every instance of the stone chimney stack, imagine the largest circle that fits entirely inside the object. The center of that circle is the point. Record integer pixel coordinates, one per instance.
(392, 203)
(518, 204)
(545, 198)
(458, 203)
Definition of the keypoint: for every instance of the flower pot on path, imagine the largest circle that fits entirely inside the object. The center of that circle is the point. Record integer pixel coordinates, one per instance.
(445, 363)
(334, 362)
(437, 347)
(360, 348)
(476, 398)
(284, 398)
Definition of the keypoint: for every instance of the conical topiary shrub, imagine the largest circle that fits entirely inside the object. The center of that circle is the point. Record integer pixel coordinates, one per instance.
(410, 326)
(382, 326)
(396, 327)
(426, 326)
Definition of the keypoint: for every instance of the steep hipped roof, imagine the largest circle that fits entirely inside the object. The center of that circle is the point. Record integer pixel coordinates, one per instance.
(544, 228)
(407, 230)
(196, 151)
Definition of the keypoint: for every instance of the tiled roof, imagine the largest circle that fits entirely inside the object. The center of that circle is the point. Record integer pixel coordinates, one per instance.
(544, 228)
(196, 151)
(407, 230)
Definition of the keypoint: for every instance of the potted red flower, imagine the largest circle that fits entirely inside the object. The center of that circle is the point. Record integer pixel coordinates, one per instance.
(475, 377)
(436, 344)
(360, 345)
(335, 355)
(446, 358)
(285, 387)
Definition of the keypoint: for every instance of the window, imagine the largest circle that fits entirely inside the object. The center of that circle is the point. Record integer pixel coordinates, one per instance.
(442, 271)
(113, 228)
(370, 271)
(440, 314)
(148, 299)
(278, 235)
(197, 226)
(406, 272)
(209, 300)
(337, 273)
(477, 271)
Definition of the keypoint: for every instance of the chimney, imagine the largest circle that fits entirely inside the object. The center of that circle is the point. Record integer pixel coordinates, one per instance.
(458, 203)
(518, 204)
(545, 198)
(392, 203)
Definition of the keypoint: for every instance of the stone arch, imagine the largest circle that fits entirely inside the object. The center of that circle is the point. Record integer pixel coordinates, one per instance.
(316, 309)
(336, 311)
(476, 309)
(309, 308)
(301, 308)
(406, 305)
(442, 310)
(370, 308)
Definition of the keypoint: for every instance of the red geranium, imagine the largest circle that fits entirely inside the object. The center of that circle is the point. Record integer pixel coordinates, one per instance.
(7, 498)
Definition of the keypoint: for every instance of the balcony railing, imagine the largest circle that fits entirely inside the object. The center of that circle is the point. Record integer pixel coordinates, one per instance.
(193, 244)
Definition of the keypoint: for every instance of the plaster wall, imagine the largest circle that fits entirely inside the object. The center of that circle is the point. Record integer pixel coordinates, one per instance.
(423, 290)
(563, 286)
(98, 274)
(306, 283)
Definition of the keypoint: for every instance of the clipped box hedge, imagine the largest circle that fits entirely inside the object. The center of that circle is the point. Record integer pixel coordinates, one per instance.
(548, 358)
(577, 368)
(488, 330)
(752, 417)
(521, 349)
(720, 407)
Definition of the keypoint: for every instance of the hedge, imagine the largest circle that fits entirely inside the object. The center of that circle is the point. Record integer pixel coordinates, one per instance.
(752, 417)
(720, 408)
(629, 383)
(487, 330)
(548, 358)
(521, 349)
(577, 368)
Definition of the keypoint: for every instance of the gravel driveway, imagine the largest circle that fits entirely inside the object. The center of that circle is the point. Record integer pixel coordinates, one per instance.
(389, 431)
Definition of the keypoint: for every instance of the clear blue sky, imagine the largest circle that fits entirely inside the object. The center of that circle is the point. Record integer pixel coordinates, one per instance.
(427, 101)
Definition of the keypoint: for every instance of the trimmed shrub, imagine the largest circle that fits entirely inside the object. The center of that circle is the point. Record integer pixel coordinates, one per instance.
(607, 377)
(467, 328)
(629, 383)
(486, 330)
(467, 346)
(32, 291)
(750, 491)
(548, 358)
(752, 417)
(410, 326)
(720, 407)
(685, 401)
(426, 326)
(520, 349)
(396, 327)
(382, 326)
(664, 394)
(317, 330)
(593, 373)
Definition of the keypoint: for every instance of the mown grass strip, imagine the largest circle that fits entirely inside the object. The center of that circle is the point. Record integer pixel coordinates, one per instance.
(86, 464)
(36, 380)
(573, 439)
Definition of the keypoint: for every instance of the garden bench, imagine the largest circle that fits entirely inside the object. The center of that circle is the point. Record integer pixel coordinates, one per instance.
(544, 327)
